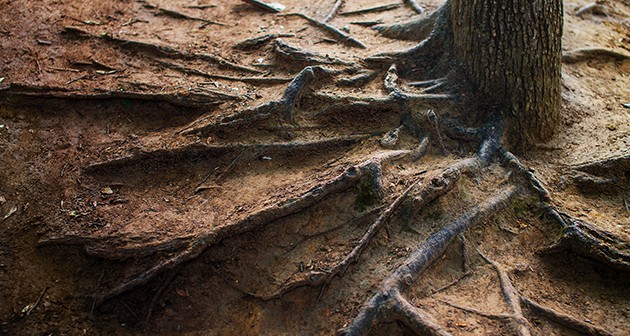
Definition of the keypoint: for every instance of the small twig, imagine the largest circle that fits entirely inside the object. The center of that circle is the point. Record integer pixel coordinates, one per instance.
(333, 11)
(477, 311)
(88, 22)
(132, 21)
(63, 69)
(453, 283)
(201, 6)
(433, 120)
(367, 23)
(371, 9)
(77, 79)
(39, 299)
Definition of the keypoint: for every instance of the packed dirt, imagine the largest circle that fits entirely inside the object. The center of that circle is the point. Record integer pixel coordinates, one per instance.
(110, 164)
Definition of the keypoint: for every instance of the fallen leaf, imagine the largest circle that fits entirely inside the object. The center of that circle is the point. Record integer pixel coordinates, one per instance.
(11, 212)
(107, 191)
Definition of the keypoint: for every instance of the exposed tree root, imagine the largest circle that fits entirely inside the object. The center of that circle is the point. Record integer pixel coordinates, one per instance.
(605, 175)
(415, 29)
(564, 320)
(249, 80)
(333, 31)
(198, 150)
(301, 56)
(581, 237)
(388, 298)
(193, 98)
(511, 296)
(375, 9)
(158, 293)
(593, 8)
(161, 50)
(515, 301)
(415, 6)
(367, 169)
(333, 11)
(323, 278)
(282, 108)
(263, 5)
(259, 41)
(492, 316)
(589, 241)
(588, 54)
(178, 15)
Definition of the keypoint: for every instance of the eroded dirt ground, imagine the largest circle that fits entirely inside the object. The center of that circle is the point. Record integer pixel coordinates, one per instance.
(117, 172)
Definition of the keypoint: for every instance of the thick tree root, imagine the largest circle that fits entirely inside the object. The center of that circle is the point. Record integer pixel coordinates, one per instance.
(282, 108)
(564, 320)
(302, 57)
(388, 298)
(605, 175)
(432, 31)
(588, 54)
(323, 278)
(367, 169)
(197, 98)
(416, 29)
(586, 240)
(581, 237)
(161, 50)
(199, 150)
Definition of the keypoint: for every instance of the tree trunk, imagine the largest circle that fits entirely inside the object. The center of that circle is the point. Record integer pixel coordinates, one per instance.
(512, 53)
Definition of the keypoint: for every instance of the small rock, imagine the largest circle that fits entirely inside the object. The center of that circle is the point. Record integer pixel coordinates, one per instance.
(107, 191)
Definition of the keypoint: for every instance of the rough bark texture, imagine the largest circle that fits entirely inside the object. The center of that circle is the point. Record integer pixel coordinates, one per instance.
(512, 52)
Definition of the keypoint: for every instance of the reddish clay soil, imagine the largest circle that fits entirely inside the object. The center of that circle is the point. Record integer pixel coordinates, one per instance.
(110, 164)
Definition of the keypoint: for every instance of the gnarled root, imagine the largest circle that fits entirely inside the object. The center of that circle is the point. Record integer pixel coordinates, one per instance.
(367, 169)
(388, 298)
(283, 108)
(577, 235)
(416, 29)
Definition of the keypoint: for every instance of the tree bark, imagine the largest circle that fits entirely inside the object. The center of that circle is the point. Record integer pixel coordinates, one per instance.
(511, 51)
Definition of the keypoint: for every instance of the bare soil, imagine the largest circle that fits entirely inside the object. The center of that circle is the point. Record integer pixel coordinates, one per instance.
(93, 151)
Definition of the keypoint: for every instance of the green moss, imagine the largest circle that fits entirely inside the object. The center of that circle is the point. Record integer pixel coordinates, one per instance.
(523, 206)
(435, 215)
(366, 196)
